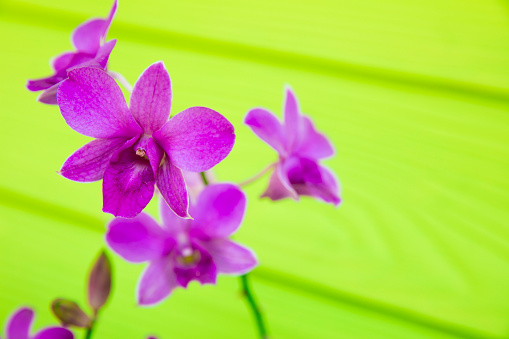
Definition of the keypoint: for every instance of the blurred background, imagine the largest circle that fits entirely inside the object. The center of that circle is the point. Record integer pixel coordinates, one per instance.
(413, 94)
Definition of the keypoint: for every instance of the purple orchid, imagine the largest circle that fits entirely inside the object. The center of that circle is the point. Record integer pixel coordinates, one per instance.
(19, 324)
(139, 147)
(184, 249)
(91, 50)
(300, 147)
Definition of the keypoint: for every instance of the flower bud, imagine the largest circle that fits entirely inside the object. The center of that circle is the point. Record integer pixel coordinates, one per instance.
(99, 283)
(69, 313)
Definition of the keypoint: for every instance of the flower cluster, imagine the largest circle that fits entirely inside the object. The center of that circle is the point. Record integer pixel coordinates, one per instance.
(138, 148)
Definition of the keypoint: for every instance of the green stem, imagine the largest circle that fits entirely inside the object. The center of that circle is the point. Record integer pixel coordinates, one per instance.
(246, 291)
(257, 176)
(88, 333)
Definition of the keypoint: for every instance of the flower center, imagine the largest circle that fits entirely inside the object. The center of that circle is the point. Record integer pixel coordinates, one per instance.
(141, 153)
(188, 257)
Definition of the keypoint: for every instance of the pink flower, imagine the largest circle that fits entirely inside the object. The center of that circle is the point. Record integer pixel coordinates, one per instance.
(18, 327)
(184, 249)
(300, 148)
(138, 147)
(91, 50)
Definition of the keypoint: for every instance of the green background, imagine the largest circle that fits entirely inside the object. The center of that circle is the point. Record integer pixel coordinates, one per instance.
(413, 94)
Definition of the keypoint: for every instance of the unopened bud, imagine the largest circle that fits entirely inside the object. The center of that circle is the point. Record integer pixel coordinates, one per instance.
(99, 283)
(69, 313)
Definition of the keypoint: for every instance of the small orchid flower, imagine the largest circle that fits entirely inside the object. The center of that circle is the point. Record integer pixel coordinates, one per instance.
(184, 249)
(19, 324)
(300, 147)
(91, 50)
(138, 147)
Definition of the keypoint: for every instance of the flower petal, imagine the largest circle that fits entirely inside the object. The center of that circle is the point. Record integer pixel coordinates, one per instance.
(89, 162)
(204, 271)
(267, 127)
(219, 210)
(157, 282)
(150, 101)
(92, 104)
(312, 144)
(171, 222)
(326, 189)
(128, 184)
(109, 19)
(196, 139)
(54, 333)
(18, 325)
(43, 83)
(170, 183)
(292, 118)
(138, 239)
(49, 96)
(279, 186)
(86, 37)
(230, 257)
(62, 61)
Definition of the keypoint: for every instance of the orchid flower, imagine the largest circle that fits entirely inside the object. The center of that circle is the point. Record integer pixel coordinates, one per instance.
(300, 148)
(91, 50)
(19, 324)
(183, 250)
(138, 147)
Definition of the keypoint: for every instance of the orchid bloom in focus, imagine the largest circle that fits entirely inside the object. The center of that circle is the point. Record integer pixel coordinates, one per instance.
(19, 324)
(300, 148)
(138, 147)
(91, 51)
(183, 250)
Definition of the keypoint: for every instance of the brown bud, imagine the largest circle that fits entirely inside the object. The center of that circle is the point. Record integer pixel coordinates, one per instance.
(99, 283)
(69, 313)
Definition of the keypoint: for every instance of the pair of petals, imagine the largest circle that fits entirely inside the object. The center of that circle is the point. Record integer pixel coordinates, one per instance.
(297, 135)
(18, 327)
(218, 213)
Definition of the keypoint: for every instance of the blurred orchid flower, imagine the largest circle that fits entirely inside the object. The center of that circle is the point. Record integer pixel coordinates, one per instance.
(183, 250)
(19, 324)
(138, 147)
(92, 50)
(300, 148)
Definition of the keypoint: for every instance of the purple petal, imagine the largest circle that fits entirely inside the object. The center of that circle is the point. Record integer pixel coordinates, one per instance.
(104, 52)
(267, 127)
(279, 186)
(62, 61)
(49, 96)
(219, 210)
(157, 282)
(172, 222)
(92, 104)
(292, 118)
(326, 189)
(150, 101)
(109, 19)
(138, 239)
(170, 182)
(230, 257)
(18, 326)
(312, 144)
(128, 184)
(87, 37)
(44, 83)
(54, 333)
(203, 271)
(196, 139)
(302, 171)
(89, 162)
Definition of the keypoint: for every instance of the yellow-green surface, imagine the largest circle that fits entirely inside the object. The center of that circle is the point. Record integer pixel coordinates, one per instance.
(415, 97)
